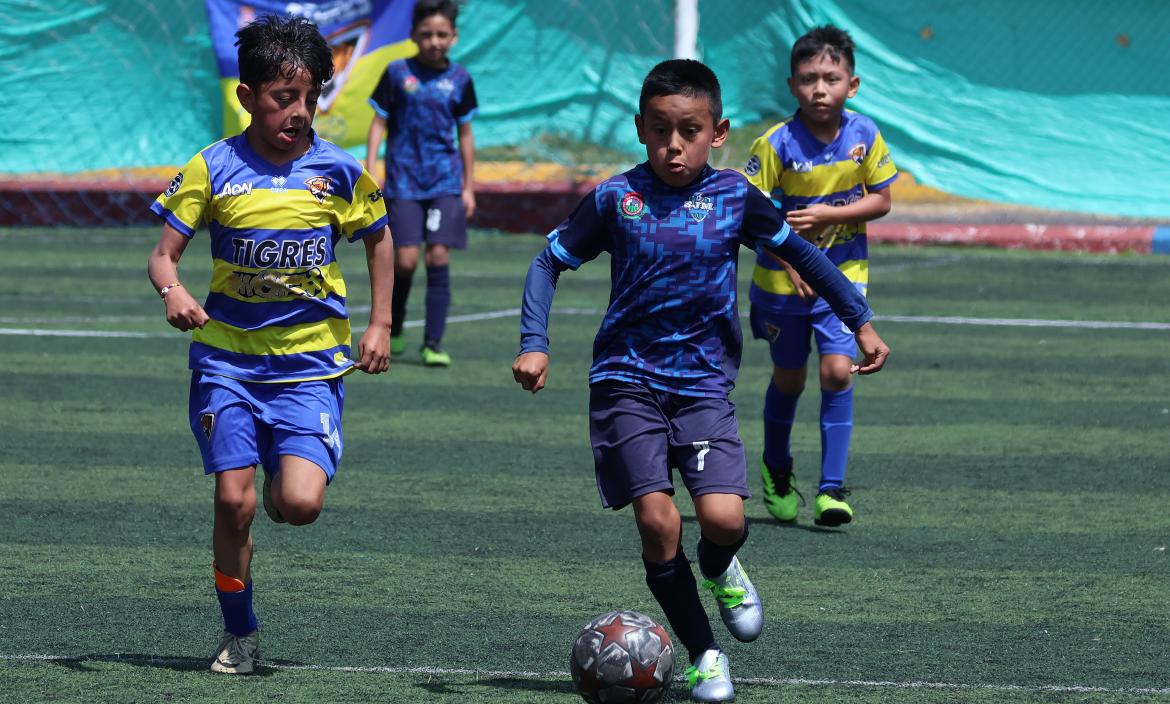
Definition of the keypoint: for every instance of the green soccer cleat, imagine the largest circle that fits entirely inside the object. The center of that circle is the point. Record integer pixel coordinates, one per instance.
(831, 509)
(709, 678)
(397, 344)
(237, 655)
(270, 505)
(780, 494)
(432, 356)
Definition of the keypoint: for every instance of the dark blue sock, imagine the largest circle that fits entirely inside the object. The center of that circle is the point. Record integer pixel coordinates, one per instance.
(238, 617)
(402, 281)
(438, 301)
(673, 586)
(714, 558)
(779, 413)
(836, 432)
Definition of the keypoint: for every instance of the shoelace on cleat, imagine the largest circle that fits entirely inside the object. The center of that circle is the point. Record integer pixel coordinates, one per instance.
(730, 597)
(694, 675)
(838, 494)
(774, 477)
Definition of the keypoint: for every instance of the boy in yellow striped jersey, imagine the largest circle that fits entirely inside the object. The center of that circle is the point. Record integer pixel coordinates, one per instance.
(272, 340)
(828, 170)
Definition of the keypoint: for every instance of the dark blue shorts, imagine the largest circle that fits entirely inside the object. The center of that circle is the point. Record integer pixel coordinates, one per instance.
(788, 336)
(243, 424)
(639, 435)
(440, 220)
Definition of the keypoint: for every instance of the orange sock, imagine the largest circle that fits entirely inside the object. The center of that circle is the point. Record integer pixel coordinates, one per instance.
(226, 583)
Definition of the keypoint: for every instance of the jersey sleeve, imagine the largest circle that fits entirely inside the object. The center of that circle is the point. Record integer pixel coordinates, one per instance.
(763, 168)
(763, 225)
(467, 106)
(367, 209)
(878, 167)
(582, 236)
(382, 100)
(184, 204)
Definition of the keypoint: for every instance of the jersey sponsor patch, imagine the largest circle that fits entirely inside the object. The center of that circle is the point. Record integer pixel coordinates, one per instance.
(753, 166)
(175, 183)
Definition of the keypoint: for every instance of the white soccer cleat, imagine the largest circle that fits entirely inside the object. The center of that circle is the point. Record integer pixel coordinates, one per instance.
(237, 655)
(709, 678)
(739, 602)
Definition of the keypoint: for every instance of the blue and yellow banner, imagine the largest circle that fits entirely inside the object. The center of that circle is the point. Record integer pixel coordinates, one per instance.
(365, 36)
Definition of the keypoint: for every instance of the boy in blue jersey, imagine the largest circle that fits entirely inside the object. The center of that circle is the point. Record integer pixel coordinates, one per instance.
(418, 105)
(668, 350)
(828, 171)
(272, 340)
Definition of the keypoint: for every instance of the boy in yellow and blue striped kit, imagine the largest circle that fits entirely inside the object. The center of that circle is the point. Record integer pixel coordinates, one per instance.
(271, 341)
(828, 170)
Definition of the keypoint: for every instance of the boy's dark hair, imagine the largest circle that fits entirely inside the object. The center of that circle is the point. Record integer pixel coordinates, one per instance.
(425, 8)
(272, 46)
(683, 77)
(828, 38)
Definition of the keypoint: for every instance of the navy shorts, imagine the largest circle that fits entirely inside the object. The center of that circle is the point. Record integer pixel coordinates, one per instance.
(243, 424)
(788, 336)
(640, 434)
(439, 220)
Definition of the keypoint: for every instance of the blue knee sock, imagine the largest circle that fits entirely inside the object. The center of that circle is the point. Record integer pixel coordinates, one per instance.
(402, 281)
(238, 617)
(836, 432)
(714, 558)
(779, 413)
(673, 586)
(438, 301)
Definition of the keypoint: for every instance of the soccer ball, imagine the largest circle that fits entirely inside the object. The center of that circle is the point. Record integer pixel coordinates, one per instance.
(622, 656)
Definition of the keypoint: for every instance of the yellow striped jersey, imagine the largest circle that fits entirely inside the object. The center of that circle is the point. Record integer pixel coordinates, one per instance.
(797, 170)
(277, 298)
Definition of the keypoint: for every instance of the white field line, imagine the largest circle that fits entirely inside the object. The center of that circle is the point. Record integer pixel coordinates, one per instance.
(554, 675)
(515, 312)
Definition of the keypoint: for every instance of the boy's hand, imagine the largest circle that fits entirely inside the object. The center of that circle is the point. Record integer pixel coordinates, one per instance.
(374, 350)
(468, 197)
(807, 219)
(873, 348)
(530, 370)
(183, 311)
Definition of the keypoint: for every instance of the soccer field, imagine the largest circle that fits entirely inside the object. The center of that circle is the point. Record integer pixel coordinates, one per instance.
(1010, 468)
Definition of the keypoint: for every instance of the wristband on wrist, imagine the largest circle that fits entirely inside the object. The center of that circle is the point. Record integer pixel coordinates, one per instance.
(162, 292)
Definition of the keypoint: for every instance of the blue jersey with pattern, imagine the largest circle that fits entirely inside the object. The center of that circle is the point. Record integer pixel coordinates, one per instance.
(672, 321)
(422, 107)
(797, 170)
(277, 298)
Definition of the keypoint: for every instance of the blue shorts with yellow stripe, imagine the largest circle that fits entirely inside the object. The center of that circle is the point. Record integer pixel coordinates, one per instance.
(242, 424)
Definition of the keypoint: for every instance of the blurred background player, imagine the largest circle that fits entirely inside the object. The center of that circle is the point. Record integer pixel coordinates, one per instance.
(272, 340)
(419, 104)
(668, 350)
(829, 171)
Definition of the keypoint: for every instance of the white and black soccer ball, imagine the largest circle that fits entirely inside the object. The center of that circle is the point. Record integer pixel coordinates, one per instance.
(622, 657)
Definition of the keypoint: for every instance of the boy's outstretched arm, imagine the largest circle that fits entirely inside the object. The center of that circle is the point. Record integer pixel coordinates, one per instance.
(183, 311)
(374, 348)
(530, 369)
(374, 143)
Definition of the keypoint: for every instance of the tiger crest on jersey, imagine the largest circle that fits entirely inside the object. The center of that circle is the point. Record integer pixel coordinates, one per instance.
(320, 186)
